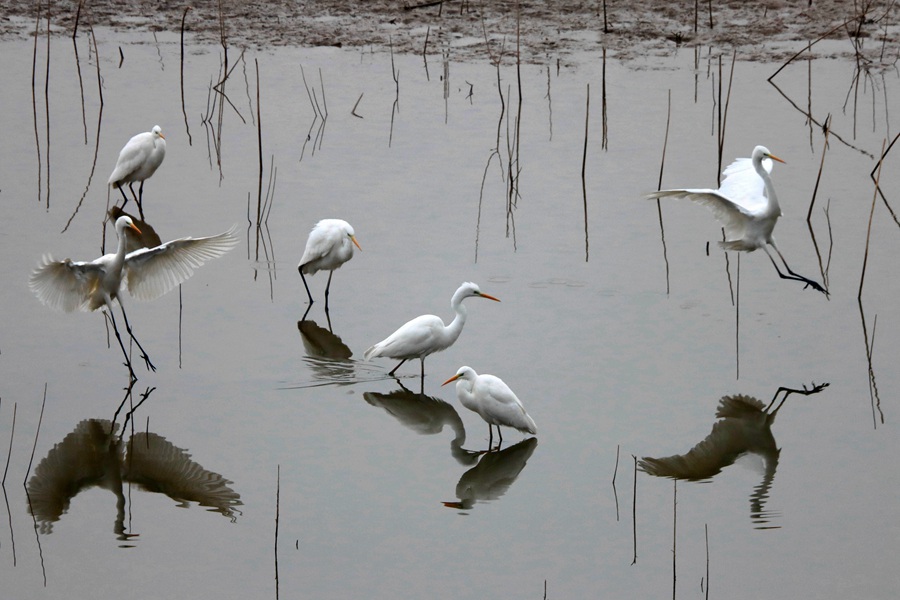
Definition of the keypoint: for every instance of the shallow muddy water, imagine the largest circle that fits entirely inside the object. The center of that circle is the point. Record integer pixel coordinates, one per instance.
(313, 473)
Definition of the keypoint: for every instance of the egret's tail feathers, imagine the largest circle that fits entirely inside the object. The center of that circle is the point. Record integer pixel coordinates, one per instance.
(738, 246)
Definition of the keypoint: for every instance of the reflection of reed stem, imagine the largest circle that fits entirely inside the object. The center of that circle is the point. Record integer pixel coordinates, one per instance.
(37, 137)
(634, 512)
(674, 534)
(662, 164)
(862, 276)
(47, 104)
(12, 433)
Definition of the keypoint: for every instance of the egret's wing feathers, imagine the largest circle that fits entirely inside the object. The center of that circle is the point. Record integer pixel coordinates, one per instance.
(743, 185)
(152, 272)
(66, 285)
(732, 216)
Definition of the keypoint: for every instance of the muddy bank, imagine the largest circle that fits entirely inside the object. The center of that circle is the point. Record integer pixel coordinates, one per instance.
(547, 29)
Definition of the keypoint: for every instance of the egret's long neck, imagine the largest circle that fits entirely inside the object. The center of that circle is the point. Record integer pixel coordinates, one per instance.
(119, 258)
(453, 330)
(773, 208)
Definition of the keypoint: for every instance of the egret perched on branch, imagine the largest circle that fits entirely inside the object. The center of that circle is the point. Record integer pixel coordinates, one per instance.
(427, 334)
(330, 245)
(491, 398)
(137, 161)
(68, 285)
(747, 207)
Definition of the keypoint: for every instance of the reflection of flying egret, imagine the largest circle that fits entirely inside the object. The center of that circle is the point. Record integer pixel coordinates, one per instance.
(149, 273)
(744, 429)
(747, 207)
(330, 244)
(138, 160)
(492, 476)
(427, 334)
(93, 455)
(491, 398)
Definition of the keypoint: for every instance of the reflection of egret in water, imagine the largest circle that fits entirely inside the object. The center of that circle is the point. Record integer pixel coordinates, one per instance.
(426, 415)
(93, 455)
(492, 476)
(147, 238)
(744, 430)
(326, 354)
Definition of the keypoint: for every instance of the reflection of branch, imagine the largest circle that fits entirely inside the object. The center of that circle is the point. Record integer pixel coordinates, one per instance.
(812, 202)
(183, 110)
(884, 154)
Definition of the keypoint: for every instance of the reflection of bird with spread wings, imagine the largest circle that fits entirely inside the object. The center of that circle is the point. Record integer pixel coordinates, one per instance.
(426, 415)
(92, 455)
(744, 430)
(492, 476)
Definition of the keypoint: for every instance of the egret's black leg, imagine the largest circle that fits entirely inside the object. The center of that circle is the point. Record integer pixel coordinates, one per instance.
(795, 276)
(131, 334)
(397, 367)
(119, 185)
(140, 199)
(121, 345)
(327, 289)
(300, 269)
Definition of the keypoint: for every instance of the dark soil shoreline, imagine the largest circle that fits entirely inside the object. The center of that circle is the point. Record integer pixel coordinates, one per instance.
(547, 29)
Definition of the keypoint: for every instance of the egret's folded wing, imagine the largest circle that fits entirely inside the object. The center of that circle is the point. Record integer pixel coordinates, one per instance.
(744, 186)
(65, 285)
(152, 272)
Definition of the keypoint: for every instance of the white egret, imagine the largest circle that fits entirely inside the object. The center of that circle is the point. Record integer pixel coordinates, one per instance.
(138, 160)
(747, 207)
(492, 399)
(330, 245)
(427, 334)
(68, 285)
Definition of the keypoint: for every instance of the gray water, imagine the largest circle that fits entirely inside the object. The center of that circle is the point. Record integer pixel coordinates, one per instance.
(290, 432)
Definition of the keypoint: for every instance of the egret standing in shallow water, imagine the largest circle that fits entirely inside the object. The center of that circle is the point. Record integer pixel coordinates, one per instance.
(427, 334)
(330, 245)
(68, 285)
(747, 207)
(491, 398)
(137, 161)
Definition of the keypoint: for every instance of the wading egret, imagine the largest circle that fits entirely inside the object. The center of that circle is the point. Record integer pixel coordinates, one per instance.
(68, 285)
(330, 245)
(747, 207)
(427, 334)
(491, 398)
(137, 161)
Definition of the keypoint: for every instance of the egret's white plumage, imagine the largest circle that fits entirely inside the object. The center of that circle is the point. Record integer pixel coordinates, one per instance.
(148, 273)
(330, 245)
(746, 205)
(427, 334)
(138, 160)
(492, 399)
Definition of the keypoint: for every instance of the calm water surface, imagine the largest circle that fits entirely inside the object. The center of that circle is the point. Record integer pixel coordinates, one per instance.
(375, 488)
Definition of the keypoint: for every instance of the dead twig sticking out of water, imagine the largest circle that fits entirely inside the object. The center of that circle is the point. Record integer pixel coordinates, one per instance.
(47, 104)
(353, 111)
(706, 580)
(78, 69)
(277, 512)
(121, 57)
(604, 140)
(709, 5)
(662, 165)
(862, 276)
(822, 270)
(674, 533)
(12, 537)
(723, 112)
(587, 118)
(425, 54)
(37, 137)
(396, 106)
(12, 433)
(737, 320)
(25, 485)
(634, 512)
(549, 104)
(87, 186)
(187, 127)
(605, 20)
(615, 493)
(260, 154)
(320, 113)
(877, 187)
